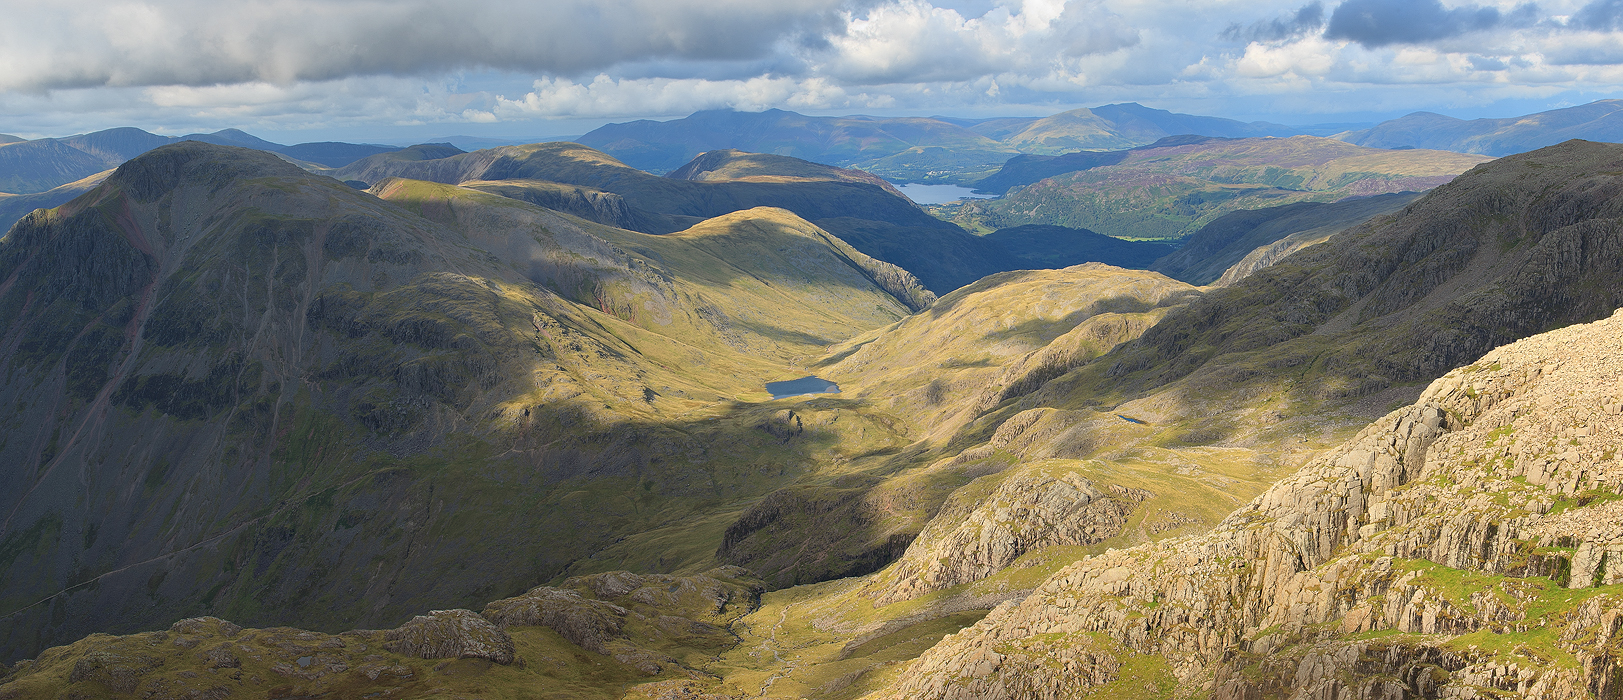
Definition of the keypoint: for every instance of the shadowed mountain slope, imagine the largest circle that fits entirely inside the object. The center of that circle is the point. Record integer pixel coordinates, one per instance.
(1270, 234)
(232, 384)
(1051, 247)
(1171, 191)
(873, 218)
(1601, 120)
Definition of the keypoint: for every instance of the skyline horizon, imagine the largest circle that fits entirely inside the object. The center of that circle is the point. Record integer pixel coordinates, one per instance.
(515, 133)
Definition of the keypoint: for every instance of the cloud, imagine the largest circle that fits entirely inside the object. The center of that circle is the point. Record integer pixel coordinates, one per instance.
(345, 64)
(1599, 15)
(605, 96)
(1307, 19)
(204, 42)
(1375, 23)
(915, 41)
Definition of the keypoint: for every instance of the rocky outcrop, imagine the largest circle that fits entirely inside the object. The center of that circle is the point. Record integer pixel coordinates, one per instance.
(683, 608)
(591, 624)
(1029, 509)
(450, 634)
(612, 625)
(1472, 512)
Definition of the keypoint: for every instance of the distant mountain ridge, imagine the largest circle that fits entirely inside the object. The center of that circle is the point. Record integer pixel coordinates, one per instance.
(907, 148)
(29, 167)
(1601, 120)
(1170, 191)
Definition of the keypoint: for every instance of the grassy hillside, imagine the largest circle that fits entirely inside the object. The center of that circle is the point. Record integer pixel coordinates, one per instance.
(294, 402)
(1171, 191)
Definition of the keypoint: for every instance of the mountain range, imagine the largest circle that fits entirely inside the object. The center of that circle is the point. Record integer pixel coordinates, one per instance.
(1601, 120)
(336, 408)
(496, 423)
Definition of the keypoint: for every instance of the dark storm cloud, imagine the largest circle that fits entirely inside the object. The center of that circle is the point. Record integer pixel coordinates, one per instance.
(204, 42)
(1306, 20)
(1375, 23)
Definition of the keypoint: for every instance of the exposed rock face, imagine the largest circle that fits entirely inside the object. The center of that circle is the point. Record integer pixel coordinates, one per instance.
(1029, 510)
(450, 634)
(675, 607)
(586, 622)
(655, 625)
(1473, 512)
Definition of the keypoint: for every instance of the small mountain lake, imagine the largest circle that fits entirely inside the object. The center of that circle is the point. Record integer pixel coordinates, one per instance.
(801, 387)
(939, 194)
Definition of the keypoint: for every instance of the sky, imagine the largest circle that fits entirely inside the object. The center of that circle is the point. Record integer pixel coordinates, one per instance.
(393, 71)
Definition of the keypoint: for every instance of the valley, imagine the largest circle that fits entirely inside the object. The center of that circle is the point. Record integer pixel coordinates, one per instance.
(1239, 415)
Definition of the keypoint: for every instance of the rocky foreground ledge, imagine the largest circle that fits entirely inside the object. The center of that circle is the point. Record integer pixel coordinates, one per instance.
(1469, 545)
(632, 628)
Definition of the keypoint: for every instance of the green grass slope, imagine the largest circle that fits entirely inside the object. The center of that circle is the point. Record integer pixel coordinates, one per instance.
(1171, 191)
(239, 389)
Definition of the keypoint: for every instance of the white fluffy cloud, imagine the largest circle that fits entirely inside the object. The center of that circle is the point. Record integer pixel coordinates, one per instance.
(292, 64)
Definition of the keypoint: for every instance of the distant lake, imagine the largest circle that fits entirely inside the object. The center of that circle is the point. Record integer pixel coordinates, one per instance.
(939, 194)
(801, 387)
